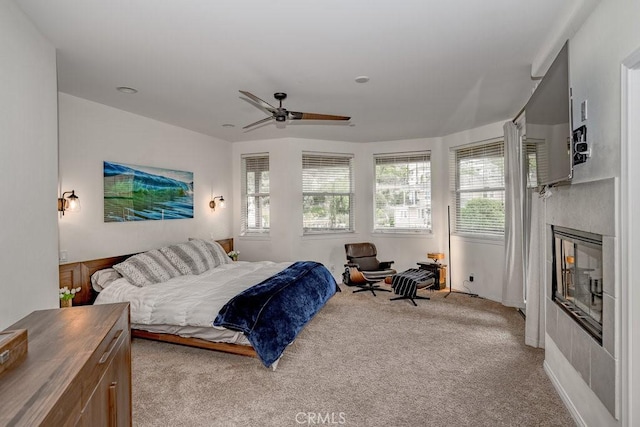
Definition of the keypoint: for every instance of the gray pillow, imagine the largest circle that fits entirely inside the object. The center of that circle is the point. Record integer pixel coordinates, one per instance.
(147, 268)
(218, 252)
(215, 249)
(190, 258)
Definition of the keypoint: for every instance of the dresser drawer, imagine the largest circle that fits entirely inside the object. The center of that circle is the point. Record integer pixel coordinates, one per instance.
(100, 360)
(110, 403)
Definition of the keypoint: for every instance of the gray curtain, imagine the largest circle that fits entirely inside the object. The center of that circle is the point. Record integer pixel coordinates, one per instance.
(514, 271)
(535, 322)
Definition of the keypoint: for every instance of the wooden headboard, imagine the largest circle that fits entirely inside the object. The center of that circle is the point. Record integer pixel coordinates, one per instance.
(78, 274)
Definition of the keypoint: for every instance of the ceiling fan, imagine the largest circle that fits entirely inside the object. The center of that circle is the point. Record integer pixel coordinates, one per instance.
(281, 114)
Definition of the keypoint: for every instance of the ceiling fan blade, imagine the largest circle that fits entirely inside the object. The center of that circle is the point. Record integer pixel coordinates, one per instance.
(259, 122)
(259, 106)
(259, 101)
(295, 115)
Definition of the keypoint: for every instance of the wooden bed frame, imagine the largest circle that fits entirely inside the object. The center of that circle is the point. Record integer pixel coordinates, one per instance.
(78, 274)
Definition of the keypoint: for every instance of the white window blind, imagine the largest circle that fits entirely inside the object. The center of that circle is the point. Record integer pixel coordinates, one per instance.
(530, 162)
(327, 192)
(478, 189)
(403, 192)
(255, 193)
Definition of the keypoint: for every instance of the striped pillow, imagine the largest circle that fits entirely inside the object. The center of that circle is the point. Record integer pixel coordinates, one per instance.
(147, 268)
(189, 257)
(216, 251)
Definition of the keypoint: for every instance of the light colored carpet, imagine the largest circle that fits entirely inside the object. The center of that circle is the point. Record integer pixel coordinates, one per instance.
(362, 361)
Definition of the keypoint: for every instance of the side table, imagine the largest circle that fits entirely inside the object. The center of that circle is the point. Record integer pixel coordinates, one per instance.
(440, 271)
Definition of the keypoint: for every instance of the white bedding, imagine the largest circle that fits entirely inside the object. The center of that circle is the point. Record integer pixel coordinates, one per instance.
(188, 305)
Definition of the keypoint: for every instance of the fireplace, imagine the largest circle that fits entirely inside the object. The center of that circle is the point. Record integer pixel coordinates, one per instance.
(577, 285)
(580, 251)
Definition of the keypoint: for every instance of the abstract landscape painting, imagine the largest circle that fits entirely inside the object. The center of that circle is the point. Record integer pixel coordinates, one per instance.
(141, 193)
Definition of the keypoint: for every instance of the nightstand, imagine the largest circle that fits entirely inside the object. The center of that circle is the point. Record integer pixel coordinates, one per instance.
(440, 270)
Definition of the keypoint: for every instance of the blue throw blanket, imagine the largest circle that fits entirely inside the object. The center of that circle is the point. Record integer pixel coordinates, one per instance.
(273, 312)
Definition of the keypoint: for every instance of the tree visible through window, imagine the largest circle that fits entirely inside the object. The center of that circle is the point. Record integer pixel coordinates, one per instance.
(327, 192)
(403, 192)
(255, 193)
(478, 189)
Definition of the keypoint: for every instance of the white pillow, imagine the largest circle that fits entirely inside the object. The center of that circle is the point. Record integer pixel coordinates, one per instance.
(103, 278)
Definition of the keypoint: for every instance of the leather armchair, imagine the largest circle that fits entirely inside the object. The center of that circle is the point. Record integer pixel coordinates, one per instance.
(363, 268)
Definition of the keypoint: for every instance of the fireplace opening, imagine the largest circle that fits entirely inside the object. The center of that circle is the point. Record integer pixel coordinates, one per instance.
(577, 278)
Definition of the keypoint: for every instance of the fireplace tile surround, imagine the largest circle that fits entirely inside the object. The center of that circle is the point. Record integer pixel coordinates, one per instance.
(591, 207)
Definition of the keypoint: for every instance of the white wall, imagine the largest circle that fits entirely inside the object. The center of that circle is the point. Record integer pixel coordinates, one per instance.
(597, 50)
(28, 168)
(406, 249)
(91, 133)
(484, 257)
(630, 240)
(286, 241)
(596, 53)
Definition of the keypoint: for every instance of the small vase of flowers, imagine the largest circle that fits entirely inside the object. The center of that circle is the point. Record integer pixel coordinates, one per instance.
(66, 296)
(233, 255)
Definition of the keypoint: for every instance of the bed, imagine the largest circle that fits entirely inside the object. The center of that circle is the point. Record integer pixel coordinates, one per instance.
(248, 308)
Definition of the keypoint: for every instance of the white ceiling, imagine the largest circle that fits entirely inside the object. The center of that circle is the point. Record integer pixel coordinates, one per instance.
(436, 66)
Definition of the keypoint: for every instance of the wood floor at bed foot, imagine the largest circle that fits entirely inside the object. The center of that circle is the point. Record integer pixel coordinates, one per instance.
(242, 350)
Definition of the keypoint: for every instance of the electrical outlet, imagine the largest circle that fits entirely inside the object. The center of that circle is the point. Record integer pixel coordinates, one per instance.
(471, 277)
(63, 256)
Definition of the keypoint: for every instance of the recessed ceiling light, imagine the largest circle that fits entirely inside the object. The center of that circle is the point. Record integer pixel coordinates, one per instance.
(128, 90)
(362, 79)
(228, 125)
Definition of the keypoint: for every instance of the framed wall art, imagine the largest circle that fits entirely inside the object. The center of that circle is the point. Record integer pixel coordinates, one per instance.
(143, 193)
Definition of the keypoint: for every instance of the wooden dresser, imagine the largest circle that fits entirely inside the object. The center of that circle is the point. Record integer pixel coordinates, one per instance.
(77, 370)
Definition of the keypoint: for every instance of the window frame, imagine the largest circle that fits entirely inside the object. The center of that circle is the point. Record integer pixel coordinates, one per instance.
(493, 145)
(307, 156)
(529, 159)
(245, 230)
(404, 158)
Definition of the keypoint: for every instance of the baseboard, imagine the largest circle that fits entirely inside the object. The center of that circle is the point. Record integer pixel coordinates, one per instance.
(564, 396)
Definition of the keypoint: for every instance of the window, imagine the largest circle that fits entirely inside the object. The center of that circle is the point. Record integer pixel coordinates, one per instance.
(255, 193)
(403, 192)
(477, 185)
(530, 164)
(327, 192)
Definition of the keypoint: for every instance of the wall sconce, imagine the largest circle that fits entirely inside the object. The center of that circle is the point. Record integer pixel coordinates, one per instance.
(213, 204)
(435, 256)
(70, 203)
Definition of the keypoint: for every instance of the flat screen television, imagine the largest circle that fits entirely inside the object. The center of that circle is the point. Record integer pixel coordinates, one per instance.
(548, 123)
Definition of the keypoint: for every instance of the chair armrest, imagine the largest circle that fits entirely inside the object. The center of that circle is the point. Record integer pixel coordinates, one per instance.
(385, 264)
